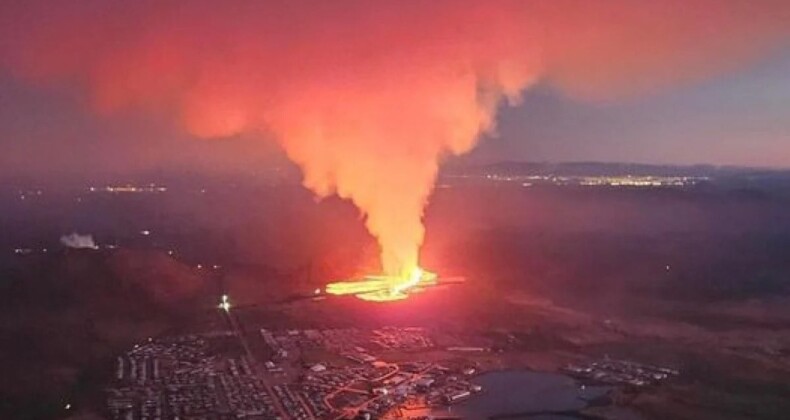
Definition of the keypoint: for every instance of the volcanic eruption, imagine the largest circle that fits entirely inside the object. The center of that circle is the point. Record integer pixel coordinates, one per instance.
(369, 97)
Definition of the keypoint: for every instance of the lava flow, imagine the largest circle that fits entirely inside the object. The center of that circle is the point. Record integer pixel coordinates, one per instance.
(383, 288)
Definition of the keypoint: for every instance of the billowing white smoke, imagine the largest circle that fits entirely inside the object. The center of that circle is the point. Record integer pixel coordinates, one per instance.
(75, 240)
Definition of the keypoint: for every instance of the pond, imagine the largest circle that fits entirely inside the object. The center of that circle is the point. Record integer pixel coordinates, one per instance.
(521, 394)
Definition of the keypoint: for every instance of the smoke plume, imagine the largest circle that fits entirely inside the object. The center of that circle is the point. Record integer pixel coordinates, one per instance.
(75, 240)
(368, 97)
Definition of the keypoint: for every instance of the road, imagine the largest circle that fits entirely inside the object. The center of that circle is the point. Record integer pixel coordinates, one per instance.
(233, 322)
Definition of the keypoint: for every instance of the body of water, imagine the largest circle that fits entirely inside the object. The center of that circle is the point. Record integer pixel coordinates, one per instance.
(521, 393)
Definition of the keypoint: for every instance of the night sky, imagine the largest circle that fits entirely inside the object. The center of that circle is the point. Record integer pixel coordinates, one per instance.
(740, 118)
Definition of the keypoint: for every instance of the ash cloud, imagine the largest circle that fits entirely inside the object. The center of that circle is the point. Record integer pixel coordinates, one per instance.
(369, 97)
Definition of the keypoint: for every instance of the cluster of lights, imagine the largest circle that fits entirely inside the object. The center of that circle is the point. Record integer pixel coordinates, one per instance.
(612, 181)
(640, 181)
(128, 188)
(29, 193)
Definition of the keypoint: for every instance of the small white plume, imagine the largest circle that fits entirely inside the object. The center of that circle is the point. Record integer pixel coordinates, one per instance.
(75, 240)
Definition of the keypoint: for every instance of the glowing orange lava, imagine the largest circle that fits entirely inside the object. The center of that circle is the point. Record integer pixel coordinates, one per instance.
(383, 288)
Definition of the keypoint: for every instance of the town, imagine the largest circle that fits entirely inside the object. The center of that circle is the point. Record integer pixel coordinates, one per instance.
(210, 376)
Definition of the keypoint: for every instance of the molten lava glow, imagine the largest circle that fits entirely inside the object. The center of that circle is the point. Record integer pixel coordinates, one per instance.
(384, 288)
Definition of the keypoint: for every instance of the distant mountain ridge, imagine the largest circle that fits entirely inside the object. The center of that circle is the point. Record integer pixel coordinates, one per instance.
(610, 169)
